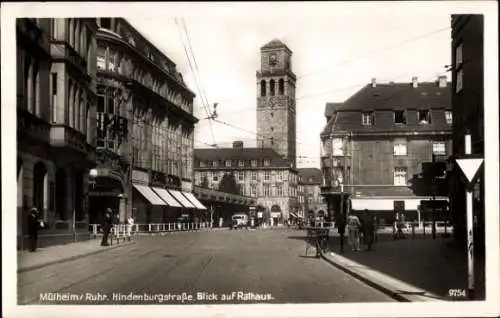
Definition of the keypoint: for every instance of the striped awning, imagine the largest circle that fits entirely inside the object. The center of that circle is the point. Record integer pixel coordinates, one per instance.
(162, 193)
(194, 200)
(182, 199)
(149, 194)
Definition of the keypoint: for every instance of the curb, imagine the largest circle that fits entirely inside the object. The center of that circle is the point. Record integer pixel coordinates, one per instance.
(372, 283)
(64, 260)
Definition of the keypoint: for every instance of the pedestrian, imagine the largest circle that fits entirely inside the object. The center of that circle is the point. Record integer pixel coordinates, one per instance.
(130, 224)
(34, 224)
(368, 229)
(107, 223)
(353, 226)
(341, 230)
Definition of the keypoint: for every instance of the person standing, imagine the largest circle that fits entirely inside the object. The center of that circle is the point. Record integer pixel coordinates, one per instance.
(341, 230)
(353, 225)
(368, 229)
(130, 224)
(107, 223)
(34, 225)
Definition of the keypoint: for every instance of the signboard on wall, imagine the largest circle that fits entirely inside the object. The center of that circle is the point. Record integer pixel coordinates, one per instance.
(186, 186)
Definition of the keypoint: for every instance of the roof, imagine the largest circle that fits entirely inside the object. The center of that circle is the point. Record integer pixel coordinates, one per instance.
(310, 175)
(274, 44)
(330, 108)
(246, 154)
(384, 99)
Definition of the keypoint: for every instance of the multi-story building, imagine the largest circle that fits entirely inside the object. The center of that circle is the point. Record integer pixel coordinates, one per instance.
(301, 199)
(374, 144)
(276, 112)
(310, 180)
(261, 173)
(145, 127)
(56, 105)
(468, 111)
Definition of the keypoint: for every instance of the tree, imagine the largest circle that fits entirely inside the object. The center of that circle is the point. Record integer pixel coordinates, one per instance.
(228, 184)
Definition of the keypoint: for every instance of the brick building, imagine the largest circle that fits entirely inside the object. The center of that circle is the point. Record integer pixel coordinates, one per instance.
(56, 105)
(468, 110)
(260, 173)
(310, 180)
(276, 112)
(375, 142)
(145, 127)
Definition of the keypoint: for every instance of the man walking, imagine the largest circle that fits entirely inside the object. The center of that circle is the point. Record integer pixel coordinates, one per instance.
(353, 225)
(341, 230)
(107, 223)
(33, 225)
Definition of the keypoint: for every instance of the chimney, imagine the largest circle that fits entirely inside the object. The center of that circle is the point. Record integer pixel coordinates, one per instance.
(374, 82)
(442, 81)
(238, 144)
(414, 81)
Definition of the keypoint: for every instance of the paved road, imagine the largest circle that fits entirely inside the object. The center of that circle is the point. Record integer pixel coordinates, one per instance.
(262, 266)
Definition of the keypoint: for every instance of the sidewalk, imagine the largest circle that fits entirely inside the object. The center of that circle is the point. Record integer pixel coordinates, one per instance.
(410, 270)
(62, 253)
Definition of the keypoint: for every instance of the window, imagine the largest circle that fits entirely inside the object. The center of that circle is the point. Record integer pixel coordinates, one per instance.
(267, 162)
(241, 163)
(400, 176)
(101, 58)
(439, 148)
(228, 163)
(400, 117)
(279, 176)
(203, 164)
(253, 190)
(272, 88)
(241, 176)
(338, 146)
(254, 176)
(279, 190)
(281, 86)
(105, 23)
(215, 178)
(267, 190)
(267, 175)
(424, 117)
(400, 148)
(448, 116)
(460, 80)
(215, 164)
(254, 163)
(111, 61)
(262, 88)
(368, 119)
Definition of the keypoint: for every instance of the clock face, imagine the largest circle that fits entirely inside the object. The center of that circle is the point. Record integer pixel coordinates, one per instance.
(273, 59)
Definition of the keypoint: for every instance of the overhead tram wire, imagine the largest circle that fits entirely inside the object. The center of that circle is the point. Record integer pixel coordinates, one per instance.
(195, 76)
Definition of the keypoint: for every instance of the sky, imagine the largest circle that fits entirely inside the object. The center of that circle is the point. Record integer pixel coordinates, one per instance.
(336, 51)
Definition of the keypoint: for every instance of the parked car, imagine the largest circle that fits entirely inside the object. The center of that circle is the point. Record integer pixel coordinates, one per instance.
(239, 220)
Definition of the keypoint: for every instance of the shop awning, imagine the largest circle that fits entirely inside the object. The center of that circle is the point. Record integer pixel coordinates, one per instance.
(149, 194)
(182, 199)
(293, 215)
(194, 200)
(162, 193)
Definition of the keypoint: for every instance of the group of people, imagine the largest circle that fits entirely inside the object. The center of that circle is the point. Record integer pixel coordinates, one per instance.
(357, 230)
(109, 221)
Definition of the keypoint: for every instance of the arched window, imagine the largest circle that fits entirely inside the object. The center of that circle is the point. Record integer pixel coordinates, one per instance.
(77, 36)
(81, 115)
(36, 90)
(281, 86)
(30, 86)
(76, 112)
(68, 114)
(262, 88)
(272, 87)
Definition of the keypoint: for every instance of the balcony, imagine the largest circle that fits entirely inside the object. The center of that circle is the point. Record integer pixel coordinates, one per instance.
(62, 136)
(333, 162)
(32, 128)
(63, 52)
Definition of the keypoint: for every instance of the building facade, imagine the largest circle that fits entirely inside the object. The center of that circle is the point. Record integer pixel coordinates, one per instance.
(313, 202)
(468, 110)
(259, 173)
(145, 128)
(56, 105)
(276, 111)
(375, 143)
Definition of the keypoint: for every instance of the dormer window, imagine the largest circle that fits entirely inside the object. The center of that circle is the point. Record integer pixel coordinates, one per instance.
(400, 117)
(215, 164)
(203, 164)
(241, 163)
(228, 163)
(267, 162)
(448, 116)
(424, 117)
(368, 119)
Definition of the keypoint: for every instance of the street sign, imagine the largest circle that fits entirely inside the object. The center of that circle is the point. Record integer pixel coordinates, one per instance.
(470, 167)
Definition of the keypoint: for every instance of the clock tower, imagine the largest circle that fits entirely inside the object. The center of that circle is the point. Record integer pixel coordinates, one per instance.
(276, 116)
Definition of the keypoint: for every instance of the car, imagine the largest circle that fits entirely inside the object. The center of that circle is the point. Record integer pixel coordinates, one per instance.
(239, 221)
